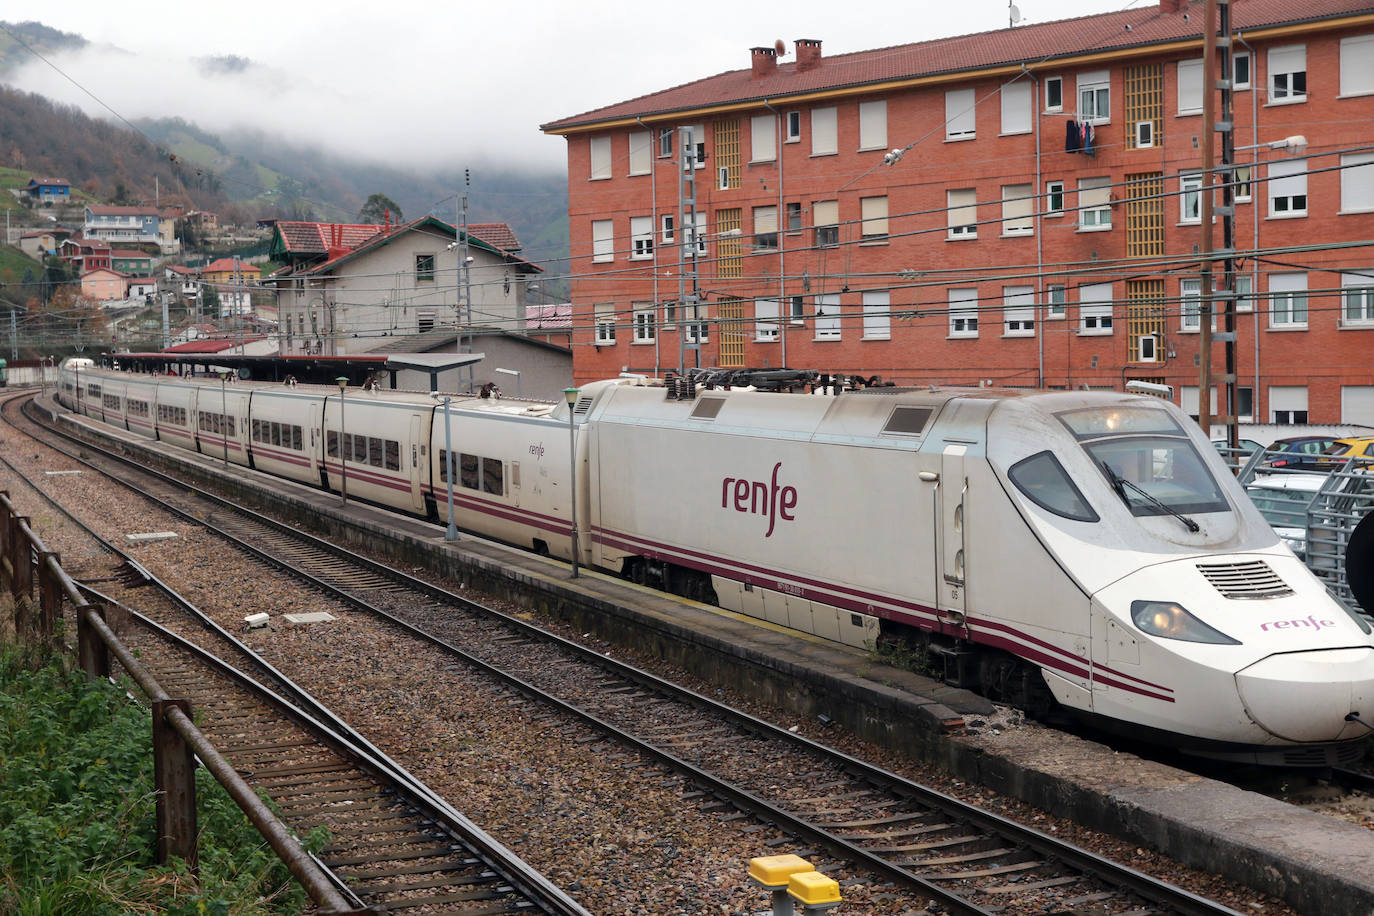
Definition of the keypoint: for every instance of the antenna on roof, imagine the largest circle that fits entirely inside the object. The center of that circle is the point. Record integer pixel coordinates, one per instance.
(1013, 14)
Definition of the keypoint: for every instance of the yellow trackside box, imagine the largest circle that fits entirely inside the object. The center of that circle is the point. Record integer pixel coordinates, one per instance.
(774, 871)
(812, 887)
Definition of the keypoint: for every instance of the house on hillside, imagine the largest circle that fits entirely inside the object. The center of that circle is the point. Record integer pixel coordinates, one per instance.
(132, 225)
(203, 220)
(142, 289)
(346, 289)
(184, 280)
(231, 279)
(85, 254)
(105, 285)
(131, 262)
(42, 243)
(44, 192)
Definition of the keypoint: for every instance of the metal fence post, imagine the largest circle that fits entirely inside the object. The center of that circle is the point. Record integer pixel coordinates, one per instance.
(49, 593)
(174, 778)
(21, 558)
(91, 651)
(7, 534)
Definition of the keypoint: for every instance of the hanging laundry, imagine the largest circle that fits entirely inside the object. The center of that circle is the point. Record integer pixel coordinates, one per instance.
(1089, 135)
(1071, 137)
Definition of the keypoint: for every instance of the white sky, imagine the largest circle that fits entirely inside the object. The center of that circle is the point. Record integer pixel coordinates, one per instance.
(454, 84)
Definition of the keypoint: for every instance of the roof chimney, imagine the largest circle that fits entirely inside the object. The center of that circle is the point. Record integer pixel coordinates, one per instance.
(765, 62)
(808, 54)
(1172, 6)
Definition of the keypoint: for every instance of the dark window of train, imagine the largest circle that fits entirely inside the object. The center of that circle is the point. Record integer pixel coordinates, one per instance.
(443, 465)
(229, 426)
(907, 421)
(707, 408)
(393, 455)
(493, 479)
(468, 470)
(276, 433)
(257, 430)
(333, 443)
(296, 438)
(375, 455)
(360, 449)
(1043, 480)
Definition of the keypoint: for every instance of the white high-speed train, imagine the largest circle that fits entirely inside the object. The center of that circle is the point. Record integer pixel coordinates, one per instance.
(1083, 551)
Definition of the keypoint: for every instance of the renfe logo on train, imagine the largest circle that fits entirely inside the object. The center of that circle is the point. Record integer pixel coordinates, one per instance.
(758, 498)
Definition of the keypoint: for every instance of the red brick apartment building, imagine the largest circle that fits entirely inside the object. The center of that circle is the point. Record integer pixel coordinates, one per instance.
(995, 248)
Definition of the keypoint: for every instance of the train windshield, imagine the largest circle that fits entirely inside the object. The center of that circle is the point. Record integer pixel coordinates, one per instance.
(1148, 460)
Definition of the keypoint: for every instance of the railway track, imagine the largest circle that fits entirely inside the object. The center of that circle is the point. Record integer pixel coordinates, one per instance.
(959, 857)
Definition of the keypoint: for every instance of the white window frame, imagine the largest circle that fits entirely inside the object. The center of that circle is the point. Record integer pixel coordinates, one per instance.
(1287, 69)
(604, 323)
(1094, 94)
(766, 320)
(641, 238)
(1190, 197)
(698, 154)
(963, 321)
(695, 233)
(825, 139)
(1058, 81)
(873, 220)
(1288, 300)
(1017, 98)
(763, 138)
(1096, 214)
(1190, 306)
(877, 315)
(1287, 189)
(1242, 188)
(1054, 198)
(1357, 183)
(1056, 302)
(695, 329)
(644, 322)
(1284, 401)
(792, 214)
(962, 203)
(1357, 290)
(1357, 66)
(603, 241)
(792, 127)
(1018, 311)
(641, 152)
(665, 228)
(825, 219)
(1018, 209)
(1245, 293)
(1189, 77)
(667, 140)
(1095, 304)
(766, 227)
(600, 152)
(796, 310)
(873, 125)
(1242, 84)
(961, 121)
(828, 317)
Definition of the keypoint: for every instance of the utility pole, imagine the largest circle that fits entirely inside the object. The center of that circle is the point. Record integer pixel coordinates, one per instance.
(464, 294)
(687, 289)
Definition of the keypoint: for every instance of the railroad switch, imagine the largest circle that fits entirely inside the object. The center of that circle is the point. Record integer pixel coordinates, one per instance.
(791, 878)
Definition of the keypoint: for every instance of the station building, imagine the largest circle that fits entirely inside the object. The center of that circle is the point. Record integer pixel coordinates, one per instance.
(1015, 208)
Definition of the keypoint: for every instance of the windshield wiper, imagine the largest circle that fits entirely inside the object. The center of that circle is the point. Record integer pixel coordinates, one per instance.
(1119, 484)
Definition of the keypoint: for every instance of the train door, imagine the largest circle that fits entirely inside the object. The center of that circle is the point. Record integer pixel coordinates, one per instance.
(417, 496)
(315, 445)
(950, 535)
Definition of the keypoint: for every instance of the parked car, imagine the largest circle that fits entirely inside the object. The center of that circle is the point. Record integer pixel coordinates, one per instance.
(1336, 454)
(1299, 453)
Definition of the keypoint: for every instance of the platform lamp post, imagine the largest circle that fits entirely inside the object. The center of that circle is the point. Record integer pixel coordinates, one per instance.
(224, 414)
(452, 533)
(570, 395)
(343, 441)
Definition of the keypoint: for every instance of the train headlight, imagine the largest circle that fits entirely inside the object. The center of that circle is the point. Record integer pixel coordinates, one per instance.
(1172, 621)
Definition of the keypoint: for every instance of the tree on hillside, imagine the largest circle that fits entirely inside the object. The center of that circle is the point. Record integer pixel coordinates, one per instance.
(377, 209)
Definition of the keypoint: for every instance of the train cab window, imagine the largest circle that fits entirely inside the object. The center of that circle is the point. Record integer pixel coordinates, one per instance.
(469, 470)
(493, 478)
(1043, 480)
(375, 456)
(393, 455)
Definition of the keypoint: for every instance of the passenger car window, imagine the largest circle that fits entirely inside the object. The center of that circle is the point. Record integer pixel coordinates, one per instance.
(1043, 480)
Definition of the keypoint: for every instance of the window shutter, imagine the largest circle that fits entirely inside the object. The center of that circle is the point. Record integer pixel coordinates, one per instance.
(874, 213)
(959, 113)
(762, 139)
(963, 210)
(825, 213)
(1016, 107)
(1189, 86)
(873, 125)
(1357, 64)
(823, 142)
(1093, 192)
(1357, 182)
(641, 152)
(601, 157)
(1287, 178)
(765, 220)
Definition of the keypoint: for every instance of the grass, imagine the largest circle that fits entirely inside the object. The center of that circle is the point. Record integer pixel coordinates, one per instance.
(77, 813)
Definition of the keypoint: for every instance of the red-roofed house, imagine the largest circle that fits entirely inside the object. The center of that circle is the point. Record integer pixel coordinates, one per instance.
(85, 254)
(104, 285)
(1020, 207)
(48, 191)
(130, 261)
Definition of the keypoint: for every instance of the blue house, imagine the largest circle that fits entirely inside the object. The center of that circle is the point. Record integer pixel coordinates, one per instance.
(45, 191)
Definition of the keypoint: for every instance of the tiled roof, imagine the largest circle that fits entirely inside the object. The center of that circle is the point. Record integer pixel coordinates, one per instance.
(226, 266)
(498, 235)
(183, 269)
(381, 238)
(104, 210)
(48, 181)
(318, 238)
(126, 253)
(1130, 28)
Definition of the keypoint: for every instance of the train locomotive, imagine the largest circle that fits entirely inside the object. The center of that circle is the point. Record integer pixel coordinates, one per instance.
(1081, 552)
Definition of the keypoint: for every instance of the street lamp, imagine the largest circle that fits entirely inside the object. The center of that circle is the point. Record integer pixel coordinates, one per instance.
(344, 448)
(570, 395)
(1295, 145)
(224, 415)
(452, 533)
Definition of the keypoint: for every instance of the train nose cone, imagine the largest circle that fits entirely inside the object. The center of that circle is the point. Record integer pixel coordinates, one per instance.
(1305, 696)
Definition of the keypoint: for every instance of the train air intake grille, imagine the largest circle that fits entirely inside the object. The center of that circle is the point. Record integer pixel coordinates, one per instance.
(1249, 579)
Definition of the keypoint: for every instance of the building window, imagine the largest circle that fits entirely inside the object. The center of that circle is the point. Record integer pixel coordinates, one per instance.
(1095, 309)
(424, 268)
(824, 140)
(601, 158)
(666, 228)
(697, 151)
(1288, 74)
(1288, 300)
(1094, 96)
(963, 213)
(1018, 311)
(644, 324)
(1190, 200)
(793, 126)
(1245, 288)
(1094, 204)
(766, 228)
(873, 125)
(1357, 299)
(1288, 404)
(1190, 305)
(960, 120)
(1054, 198)
(605, 323)
(665, 142)
(1190, 87)
(1054, 93)
(1240, 70)
(1288, 188)
(765, 320)
(641, 152)
(796, 309)
(877, 315)
(1016, 107)
(1143, 98)
(963, 320)
(695, 233)
(1016, 209)
(1056, 301)
(1357, 65)
(641, 237)
(727, 153)
(794, 216)
(873, 211)
(603, 241)
(1241, 183)
(1357, 183)
(763, 139)
(825, 217)
(828, 317)
(695, 330)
